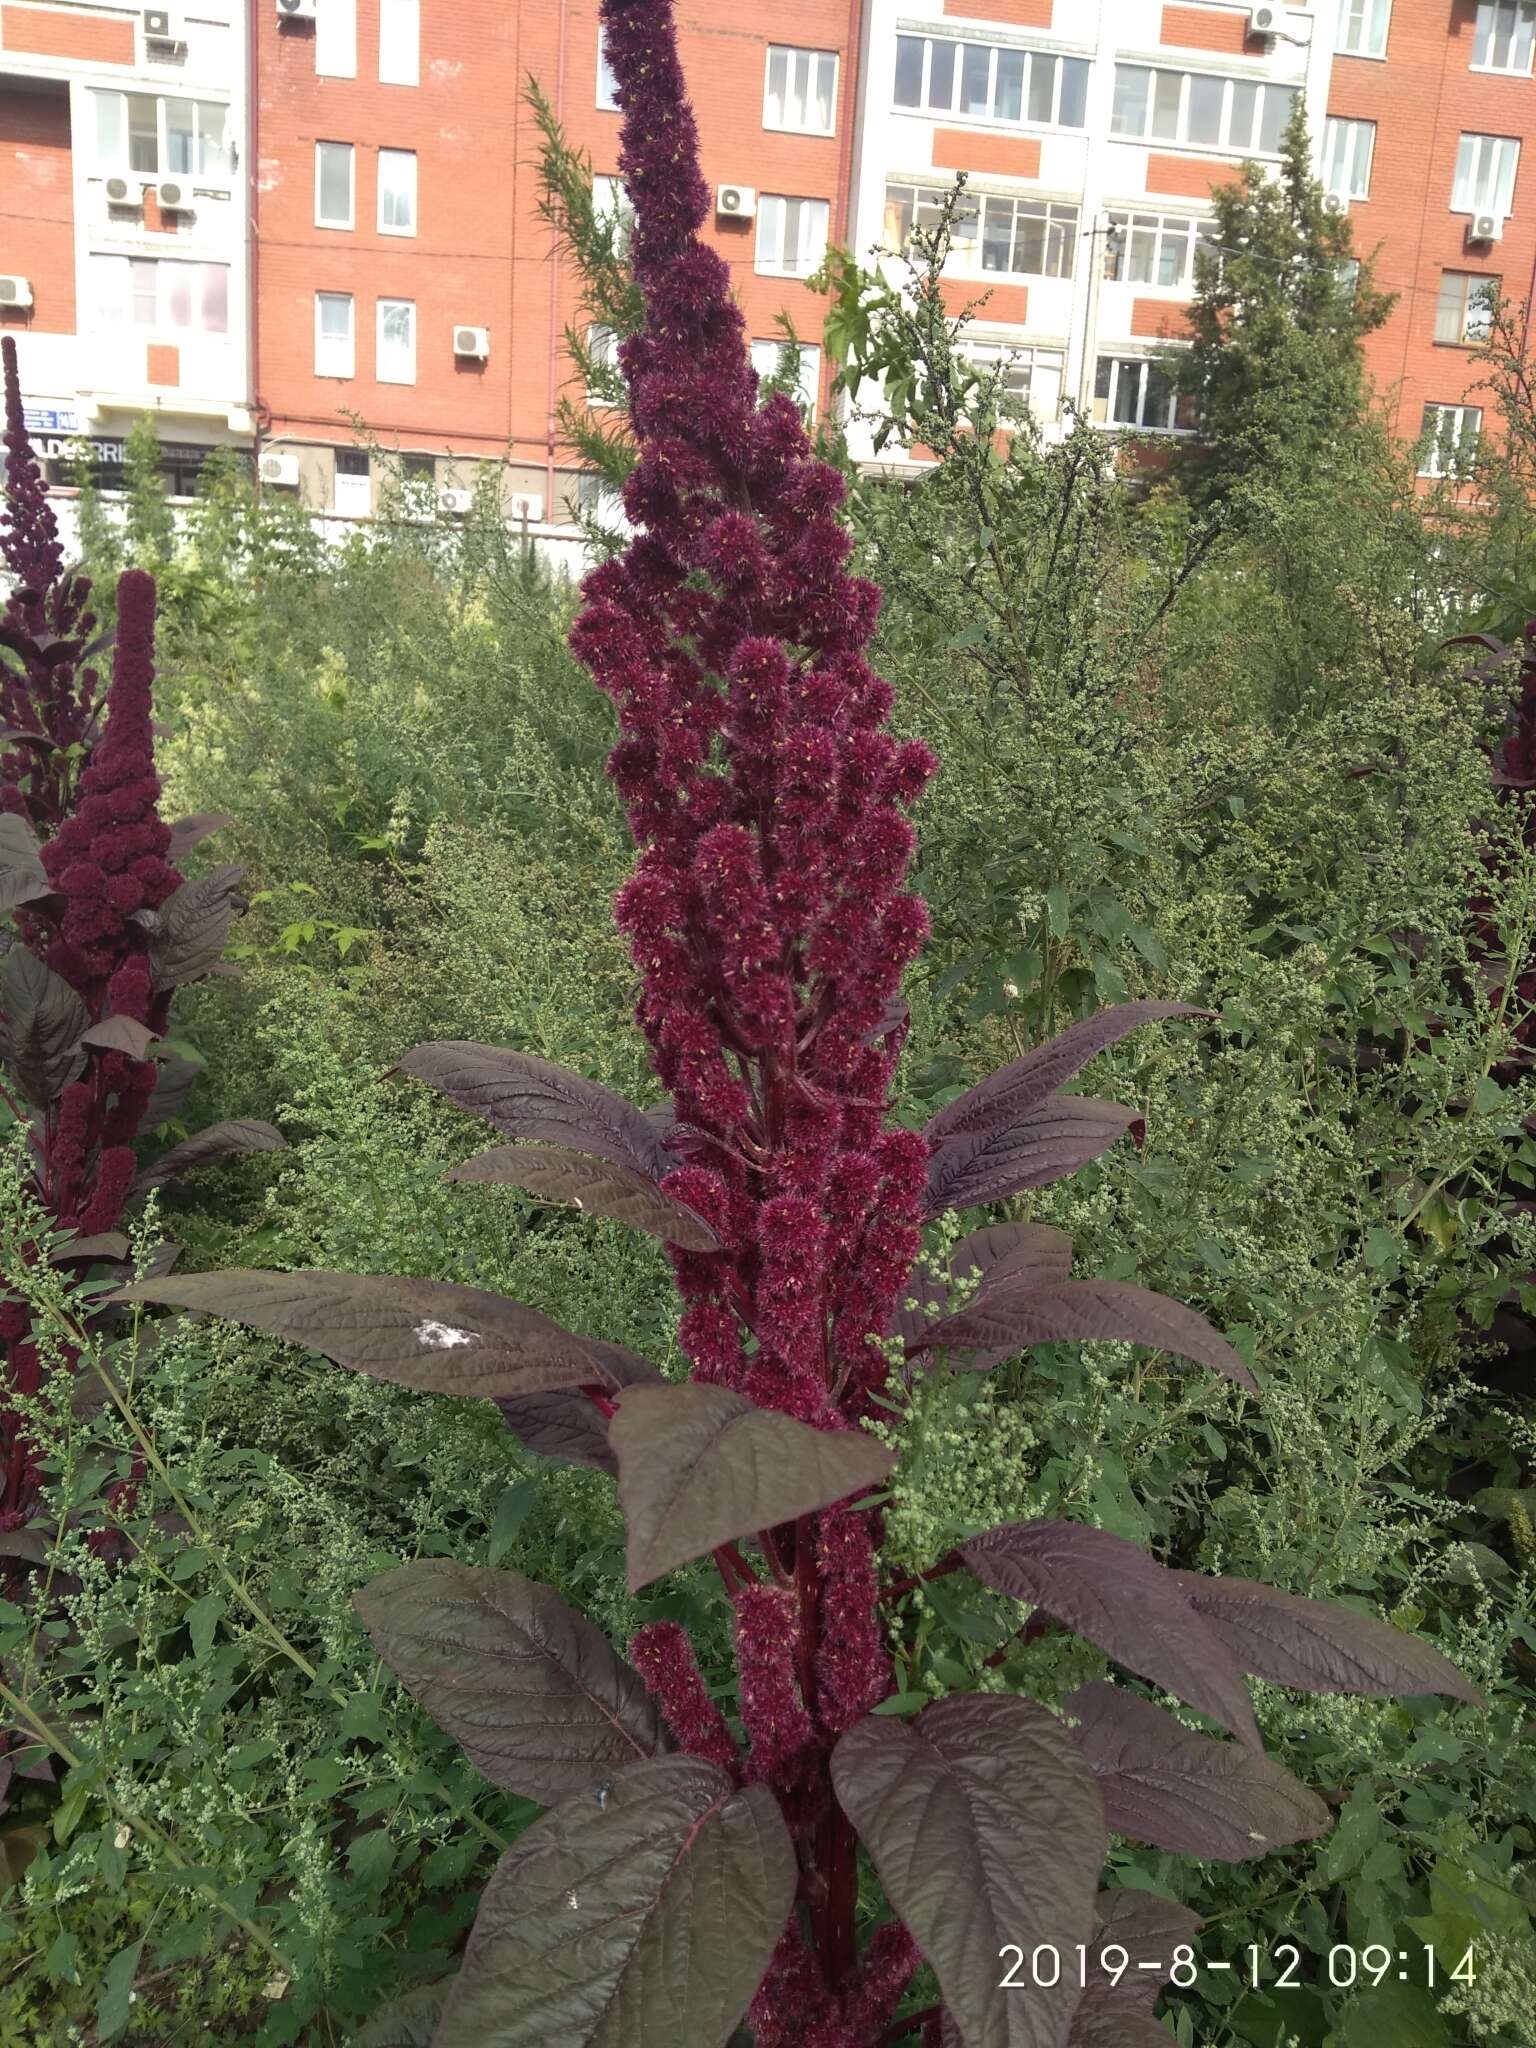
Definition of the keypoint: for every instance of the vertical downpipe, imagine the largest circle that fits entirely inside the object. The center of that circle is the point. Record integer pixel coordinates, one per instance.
(554, 293)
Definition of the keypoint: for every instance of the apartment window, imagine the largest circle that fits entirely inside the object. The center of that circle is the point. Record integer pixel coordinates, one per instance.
(333, 185)
(336, 39)
(395, 348)
(1012, 237)
(161, 137)
(607, 84)
(801, 90)
(1363, 27)
(399, 41)
(1450, 435)
(1485, 174)
(1134, 391)
(603, 363)
(1348, 147)
(335, 348)
(1505, 36)
(352, 492)
(791, 235)
(397, 192)
(984, 82)
(168, 296)
(768, 360)
(1465, 309)
(1030, 377)
(610, 200)
(1155, 248)
(1193, 106)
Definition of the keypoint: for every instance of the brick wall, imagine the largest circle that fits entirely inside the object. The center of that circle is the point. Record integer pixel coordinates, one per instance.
(1014, 13)
(1208, 28)
(37, 234)
(1008, 156)
(51, 32)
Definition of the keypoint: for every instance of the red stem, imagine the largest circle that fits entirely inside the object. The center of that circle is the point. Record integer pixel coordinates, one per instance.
(900, 2029)
(952, 1563)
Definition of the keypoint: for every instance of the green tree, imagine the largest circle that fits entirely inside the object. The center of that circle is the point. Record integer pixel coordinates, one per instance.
(1282, 305)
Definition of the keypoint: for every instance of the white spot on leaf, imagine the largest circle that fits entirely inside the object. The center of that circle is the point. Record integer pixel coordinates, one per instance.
(443, 1336)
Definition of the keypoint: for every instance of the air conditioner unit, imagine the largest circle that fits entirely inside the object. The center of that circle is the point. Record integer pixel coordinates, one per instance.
(525, 508)
(279, 467)
(1486, 227)
(735, 202)
(161, 26)
(454, 499)
(15, 291)
(474, 342)
(172, 196)
(1336, 202)
(297, 10)
(123, 192)
(1264, 21)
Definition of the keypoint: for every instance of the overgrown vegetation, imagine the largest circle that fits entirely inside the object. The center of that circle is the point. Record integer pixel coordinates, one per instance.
(1183, 762)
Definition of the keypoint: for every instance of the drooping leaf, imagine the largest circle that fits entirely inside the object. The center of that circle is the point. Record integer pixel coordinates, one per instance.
(208, 1147)
(1149, 1929)
(1164, 1784)
(173, 1084)
(120, 1034)
(106, 1244)
(986, 1827)
(430, 1334)
(532, 1098)
(1046, 1143)
(532, 1692)
(1315, 1646)
(189, 832)
(556, 1173)
(190, 929)
(1005, 1095)
(1113, 2019)
(1022, 1253)
(1013, 1315)
(700, 1466)
(1111, 1593)
(411, 2022)
(23, 878)
(41, 1019)
(639, 1915)
(564, 1424)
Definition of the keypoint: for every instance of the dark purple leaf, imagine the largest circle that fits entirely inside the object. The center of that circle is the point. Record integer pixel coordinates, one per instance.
(23, 878)
(641, 1915)
(1164, 1784)
(1113, 2019)
(564, 1424)
(107, 1244)
(1044, 1144)
(431, 1334)
(700, 1466)
(1149, 1929)
(531, 1691)
(173, 1084)
(1314, 1646)
(602, 1187)
(191, 927)
(120, 1034)
(1004, 1096)
(206, 1148)
(533, 1098)
(1110, 1592)
(1008, 1318)
(41, 1019)
(986, 1828)
(1018, 1252)
(189, 832)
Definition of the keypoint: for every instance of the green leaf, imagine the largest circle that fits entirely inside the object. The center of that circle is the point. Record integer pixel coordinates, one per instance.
(700, 1466)
(203, 1618)
(512, 1510)
(112, 2008)
(371, 1860)
(640, 1917)
(1405, 2015)
(530, 1689)
(411, 2023)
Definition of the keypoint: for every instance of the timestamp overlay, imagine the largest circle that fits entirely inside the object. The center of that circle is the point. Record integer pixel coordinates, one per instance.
(1283, 1967)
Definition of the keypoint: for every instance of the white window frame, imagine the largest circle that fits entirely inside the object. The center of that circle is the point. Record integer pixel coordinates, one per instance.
(771, 256)
(1345, 142)
(607, 84)
(799, 59)
(1191, 230)
(1513, 22)
(120, 159)
(352, 502)
(1485, 162)
(602, 353)
(328, 348)
(765, 360)
(1226, 144)
(399, 156)
(1143, 367)
(1364, 26)
(953, 108)
(611, 200)
(336, 39)
(1466, 433)
(351, 153)
(118, 271)
(399, 41)
(1019, 364)
(393, 376)
(1470, 283)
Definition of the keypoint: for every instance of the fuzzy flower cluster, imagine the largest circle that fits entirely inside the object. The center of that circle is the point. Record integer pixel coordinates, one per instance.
(767, 912)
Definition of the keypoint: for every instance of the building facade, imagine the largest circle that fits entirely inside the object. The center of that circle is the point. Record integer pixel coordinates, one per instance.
(310, 229)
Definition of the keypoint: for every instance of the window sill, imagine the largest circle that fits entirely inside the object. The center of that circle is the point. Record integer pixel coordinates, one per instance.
(398, 234)
(815, 134)
(1499, 71)
(337, 227)
(1365, 56)
(989, 124)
